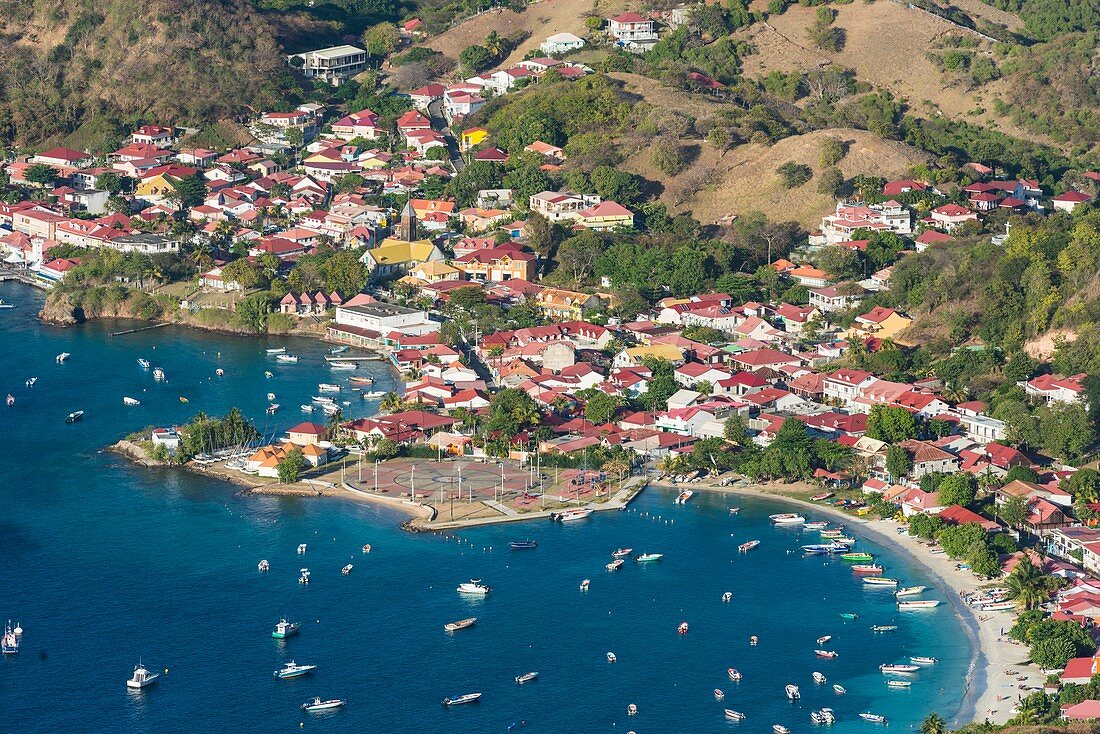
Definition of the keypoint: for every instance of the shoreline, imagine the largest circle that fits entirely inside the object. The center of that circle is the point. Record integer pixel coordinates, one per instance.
(994, 654)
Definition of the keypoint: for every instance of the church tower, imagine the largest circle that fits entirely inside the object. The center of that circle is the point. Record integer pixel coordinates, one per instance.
(406, 228)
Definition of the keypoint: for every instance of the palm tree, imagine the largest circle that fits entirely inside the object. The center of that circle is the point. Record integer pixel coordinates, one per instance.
(934, 724)
(1026, 585)
(391, 402)
(670, 464)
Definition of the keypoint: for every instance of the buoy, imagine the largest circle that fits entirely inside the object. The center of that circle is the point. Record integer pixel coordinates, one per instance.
(166, 671)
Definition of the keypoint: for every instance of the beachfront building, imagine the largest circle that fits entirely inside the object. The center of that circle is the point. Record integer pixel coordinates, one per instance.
(333, 65)
(373, 324)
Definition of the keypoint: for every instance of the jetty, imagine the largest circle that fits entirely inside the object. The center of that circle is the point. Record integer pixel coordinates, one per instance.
(25, 277)
(136, 330)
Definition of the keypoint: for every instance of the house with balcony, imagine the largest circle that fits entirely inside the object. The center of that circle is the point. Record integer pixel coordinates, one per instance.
(562, 206)
(633, 32)
(333, 65)
(561, 43)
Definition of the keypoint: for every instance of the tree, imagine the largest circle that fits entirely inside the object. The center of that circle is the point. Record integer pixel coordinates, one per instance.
(956, 540)
(291, 466)
(600, 407)
(1026, 585)
(1066, 430)
(934, 724)
(831, 151)
(252, 313)
(1021, 473)
(41, 174)
(669, 156)
(1014, 511)
(241, 272)
(619, 186)
(735, 431)
(898, 462)
(189, 190)
(344, 273)
(577, 256)
(381, 39)
(830, 182)
(983, 560)
(476, 57)
(386, 448)
(891, 424)
(925, 526)
(1053, 653)
(109, 181)
(957, 489)
(1084, 485)
(794, 175)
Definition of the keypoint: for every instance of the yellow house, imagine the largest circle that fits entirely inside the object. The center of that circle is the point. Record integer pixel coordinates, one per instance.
(606, 215)
(472, 137)
(433, 272)
(879, 323)
(564, 305)
(155, 190)
(633, 356)
(392, 256)
(373, 164)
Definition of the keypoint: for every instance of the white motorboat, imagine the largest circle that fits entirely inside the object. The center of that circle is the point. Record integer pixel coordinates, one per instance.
(158, 373)
(611, 657)
(263, 566)
(683, 497)
(910, 591)
(9, 642)
(816, 525)
(780, 729)
(734, 715)
(30, 382)
(270, 397)
(734, 674)
(328, 387)
(473, 587)
(622, 552)
(343, 366)
(272, 408)
(303, 578)
(899, 683)
(584, 584)
(141, 677)
(276, 350)
(330, 408)
(927, 604)
(301, 548)
(62, 358)
(615, 565)
(366, 547)
(819, 678)
(287, 358)
(792, 691)
(823, 639)
(294, 670)
(923, 660)
(649, 557)
(460, 624)
(322, 400)
(631, 709)
(727, 596)
(130, 401)
(10, 400)
(527, 677)
(891, 668)
(718, 694)
(746, 547)
(373, 395)
(460, 700)
(145, 364)
(876, 718)
(306, 407)
(839, 689)
(285, 629)
(571, 515)
(346, 570)
(318, 705)
(787, 518)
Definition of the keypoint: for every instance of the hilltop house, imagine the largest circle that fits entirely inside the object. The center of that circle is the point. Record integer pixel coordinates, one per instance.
(333, 65)
(633, 32)
(561, 43)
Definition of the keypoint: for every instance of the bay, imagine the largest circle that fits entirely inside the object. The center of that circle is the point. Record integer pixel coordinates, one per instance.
(104, 563)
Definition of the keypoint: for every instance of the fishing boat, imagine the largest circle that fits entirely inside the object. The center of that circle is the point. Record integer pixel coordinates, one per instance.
(571, 515)
(827, 654)
(753, 640)
(734, 715)
(338, 350)
(142, 677)
(346, 570)
(823, 639)
(718, 694)
(9, 642)
(285, 629)
(746, 547)
(816, 525)
(615, 565)
(899, 683)
(276, 350)
(786, 518)
(130, 401)
(622, 553)
(879, 581)
(145, 364)
(263, 566)
(611, 657)
(843, 540)
(460, 700)
(584, 584)
(343, 366)
(287, 358)
(1004, 606)
(460, 624)
(910, 605)
(819, 678)
(330, 408)
(910, 591)
(75, 416)
(857, 557)
(361, 380)
(876, 718)
(883, 627)
(682, 629)
(272, 408)
(292, 669)
(270, 397)
(834, 533)
(849, 615)
(922, 660)
(823, 716)
(631, 710)
(867, 568)
(474, 587)
(818, 548)
(649, 557)
(898, 668)
(683, 497)
(734, 674)
(839, 689)
(527, 677)
(328, 387)
(158, 373)
(524, 544)
(303, 577)
(302, 548)
(317, 705)
(268, 374)
(792, 692)
(821, 497)
(727, 596)
(62, 358)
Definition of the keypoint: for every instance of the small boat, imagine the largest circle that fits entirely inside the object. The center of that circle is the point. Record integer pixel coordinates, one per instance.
(827, 654)
(306, 407)
(130, 401)
(622, 553)
(753, 640)
(734, 674)
(527, 677)
(786, 518)
(843, 540)
(849, 615)
(879, 581)
(473, 587)
(287, 358)
(615, 565)
(780, 729)
(294, 670)
(460, 700)
(361, 380)
(184, 400)
(857, 556)
(346, 570)
(727, 596)
(268, 374)
(9, 642)
(302, 548)
(891, 668)
(303, 578)
(734, 715)
(735, 510)
(821, 497)
(682, 629)
(865, 568)
(910, 605)
(10, 400)
(219, 372)
(819, 548)
(899, 683)
(876, 718)
(822, 717)
(270, 397)
(746, 547)
(611, 657)
(883, 627)
(524, 544)
(330, 408)
(145, 364)
(75, 416)
(272, 408)
(141, 677)
(158, 373)
(819, 678)
(373, 395)
(328, 387)
(61, 358)
(366, 547)
(910, 591)
(343, 366)
(839, 689)
(823, 639)
(317, 704)
(338, 350)
(683, 497)
(718, 694)
(460, 624)
(816, 525)
(571, 515)
(649, 557)
(276, 350)
(285, 629)
(584, 585)
(263, 566)
(833, 533)
(922, 660)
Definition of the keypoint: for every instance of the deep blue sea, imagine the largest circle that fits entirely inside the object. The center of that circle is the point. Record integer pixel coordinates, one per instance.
(104, 564)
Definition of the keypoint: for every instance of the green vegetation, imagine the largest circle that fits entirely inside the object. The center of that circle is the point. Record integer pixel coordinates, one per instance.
(204, 434)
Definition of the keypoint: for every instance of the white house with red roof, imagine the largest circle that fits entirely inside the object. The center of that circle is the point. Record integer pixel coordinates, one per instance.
(55, 270)
(62, 158)
(889, 216)
(413, 120)
(632, 31)
(361, 124)
(1054, 389)
(837, 297)
(930, 237)
(425, 95)
(846, 385)
(950, 217)
(561, 43)
(1070, 200)
(558, 206)
(157, 135)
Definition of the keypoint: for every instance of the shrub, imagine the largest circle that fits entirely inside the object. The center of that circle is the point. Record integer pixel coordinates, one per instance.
(794, 175)
(669, 157)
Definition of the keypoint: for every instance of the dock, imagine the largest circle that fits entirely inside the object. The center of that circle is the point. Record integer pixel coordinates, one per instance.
(140, 328)
(342, 358)
(26, 278)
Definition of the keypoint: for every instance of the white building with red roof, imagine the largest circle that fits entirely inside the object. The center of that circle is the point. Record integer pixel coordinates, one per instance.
(1070, 200)
(950, 217)
(632, 30)
(848, 218)
(1054, 389)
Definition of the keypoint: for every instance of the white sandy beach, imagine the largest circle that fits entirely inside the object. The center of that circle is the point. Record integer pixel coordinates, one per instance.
(992, 686)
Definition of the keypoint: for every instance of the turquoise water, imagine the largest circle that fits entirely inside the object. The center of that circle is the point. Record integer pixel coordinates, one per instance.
(104, 563)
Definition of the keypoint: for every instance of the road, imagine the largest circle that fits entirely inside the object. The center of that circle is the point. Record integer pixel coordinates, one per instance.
(435, 114)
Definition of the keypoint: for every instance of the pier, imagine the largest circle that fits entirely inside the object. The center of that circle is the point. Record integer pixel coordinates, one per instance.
(136, 330)
(25, 278)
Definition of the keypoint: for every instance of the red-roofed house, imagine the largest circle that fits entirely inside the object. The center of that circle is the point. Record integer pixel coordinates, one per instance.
(632, 30)
(1054, 389)
(305, 434)
(1083, 711)
(950, 217)
(1070, 200)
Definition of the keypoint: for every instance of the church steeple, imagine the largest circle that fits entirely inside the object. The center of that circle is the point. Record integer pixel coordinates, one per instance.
(406, 229)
